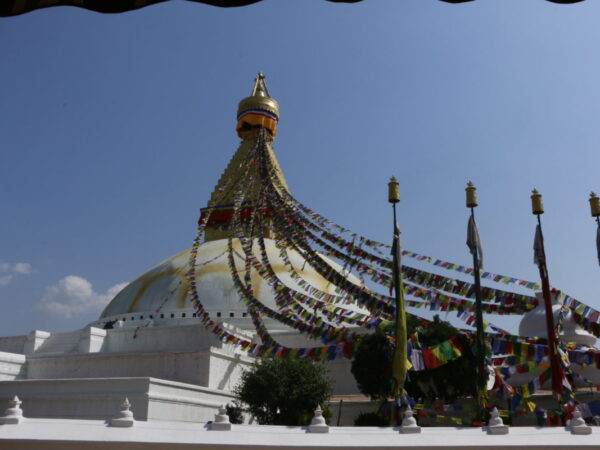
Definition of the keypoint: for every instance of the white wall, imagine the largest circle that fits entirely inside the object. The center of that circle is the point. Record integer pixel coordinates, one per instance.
(151, 399)
(12, 366)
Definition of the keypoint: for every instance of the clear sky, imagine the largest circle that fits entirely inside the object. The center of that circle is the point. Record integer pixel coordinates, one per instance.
(115, 128)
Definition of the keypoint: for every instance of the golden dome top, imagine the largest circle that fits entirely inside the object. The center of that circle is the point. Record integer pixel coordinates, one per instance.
(259, 100)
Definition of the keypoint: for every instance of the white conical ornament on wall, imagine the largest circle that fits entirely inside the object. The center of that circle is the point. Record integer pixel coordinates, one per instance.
(221, 422)
(577, 425)
(125, 417)
(495, 425)
(409, 423)
(14, 414)
(318, 423)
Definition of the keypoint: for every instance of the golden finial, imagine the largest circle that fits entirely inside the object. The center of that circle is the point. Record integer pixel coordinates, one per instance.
(393, 191)
(594, 205)
(257, 111)
(260, 87)
(471, 195)
(537, 207)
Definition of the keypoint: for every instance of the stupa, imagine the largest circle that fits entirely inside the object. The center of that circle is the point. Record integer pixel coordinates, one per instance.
(265, 276)
(161, 294)
(533, 324)
(148, 343)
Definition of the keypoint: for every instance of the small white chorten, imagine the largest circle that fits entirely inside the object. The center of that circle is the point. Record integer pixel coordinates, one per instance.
(13, 414)
(318, 424)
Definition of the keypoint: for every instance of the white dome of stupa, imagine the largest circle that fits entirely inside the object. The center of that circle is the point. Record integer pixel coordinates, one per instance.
(160, 294)
(533, 323)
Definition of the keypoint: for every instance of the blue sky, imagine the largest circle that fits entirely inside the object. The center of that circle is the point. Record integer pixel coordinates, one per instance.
(115, 129)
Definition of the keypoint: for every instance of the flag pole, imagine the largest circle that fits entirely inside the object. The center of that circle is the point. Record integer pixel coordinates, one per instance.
(595, 211)
(399, 361)
(475, 246)
(540, 259)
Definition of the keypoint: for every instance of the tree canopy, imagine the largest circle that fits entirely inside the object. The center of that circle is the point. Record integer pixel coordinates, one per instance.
(283, 391)
(371, 366)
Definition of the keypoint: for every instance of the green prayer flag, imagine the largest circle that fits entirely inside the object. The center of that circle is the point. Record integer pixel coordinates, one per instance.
(447, 350)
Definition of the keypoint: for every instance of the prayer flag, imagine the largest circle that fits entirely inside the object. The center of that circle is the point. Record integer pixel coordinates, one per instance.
(473, 241)
(399, 362)
(598, 243)
(396, 254)
(538, 247)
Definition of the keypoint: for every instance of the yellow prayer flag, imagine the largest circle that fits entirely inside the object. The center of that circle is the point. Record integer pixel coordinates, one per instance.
(399, 362)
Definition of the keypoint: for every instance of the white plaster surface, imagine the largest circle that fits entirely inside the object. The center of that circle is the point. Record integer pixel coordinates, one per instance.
(36, 434)
(34, 341)
(182, 352)
(12, 366)
(100, 398)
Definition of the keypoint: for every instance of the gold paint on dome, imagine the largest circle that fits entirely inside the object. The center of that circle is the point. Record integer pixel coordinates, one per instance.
(149, 278)
(164, 287)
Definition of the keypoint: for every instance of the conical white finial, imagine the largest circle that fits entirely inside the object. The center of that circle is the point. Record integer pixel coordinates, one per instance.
(409, 423)
(578, 425)
(495, 425)
(318, 423)
(13, 414)
(495, 418)
(221, 422)
(125, 416)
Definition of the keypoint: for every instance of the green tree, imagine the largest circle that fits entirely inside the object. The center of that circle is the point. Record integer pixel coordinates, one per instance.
(235, 413)
(283, 391)
(371, 366)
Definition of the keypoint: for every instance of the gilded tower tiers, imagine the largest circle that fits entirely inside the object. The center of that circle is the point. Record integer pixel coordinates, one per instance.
(257, 112)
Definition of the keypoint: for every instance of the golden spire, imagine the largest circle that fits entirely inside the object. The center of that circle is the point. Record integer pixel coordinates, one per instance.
(260, 87)
(257, 111)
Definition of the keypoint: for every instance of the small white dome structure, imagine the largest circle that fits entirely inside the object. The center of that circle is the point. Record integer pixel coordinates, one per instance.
(533, 323)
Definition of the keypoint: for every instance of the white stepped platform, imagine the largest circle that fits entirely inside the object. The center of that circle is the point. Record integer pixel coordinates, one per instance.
(12, 366)
(99, 398)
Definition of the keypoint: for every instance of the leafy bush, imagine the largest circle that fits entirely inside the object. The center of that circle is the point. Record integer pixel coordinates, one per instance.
(283, 391)
(235, 413)
(372, 364)
(371, 420)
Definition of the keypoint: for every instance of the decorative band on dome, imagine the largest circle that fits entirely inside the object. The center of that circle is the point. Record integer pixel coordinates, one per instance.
(260, 112)
(224, 213)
